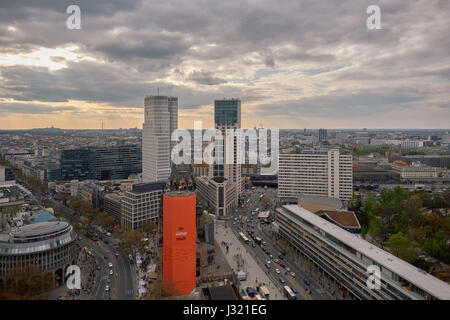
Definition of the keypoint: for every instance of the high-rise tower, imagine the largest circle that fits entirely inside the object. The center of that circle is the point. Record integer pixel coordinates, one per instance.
(161, 119)
(227, 115)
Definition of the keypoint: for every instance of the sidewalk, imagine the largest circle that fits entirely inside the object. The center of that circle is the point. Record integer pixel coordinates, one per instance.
(87, 265)
(240, 259)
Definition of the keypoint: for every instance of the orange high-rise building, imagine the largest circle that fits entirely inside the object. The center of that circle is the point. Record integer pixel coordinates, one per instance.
(179, 242)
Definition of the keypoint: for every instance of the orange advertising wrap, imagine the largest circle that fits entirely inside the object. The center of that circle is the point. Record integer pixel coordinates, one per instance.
(179, 242)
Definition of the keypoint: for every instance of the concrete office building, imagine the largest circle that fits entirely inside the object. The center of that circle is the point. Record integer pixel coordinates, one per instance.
(142, 203)
(217, 193)
(161, 119)
(112, 205)
(416, 170)
(316, 172)
(344, 257)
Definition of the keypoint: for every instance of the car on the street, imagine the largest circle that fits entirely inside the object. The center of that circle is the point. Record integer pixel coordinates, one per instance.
(109, 280)
(105, 257)
(117, 254)
(307, 282)
(267, 265)
(282, 281)
(268, 261)
(110, 265)
(282, 265)
(276, 261)
(98, 268)
(106, 288)
(281, 257)
(250, 291)
(270, 256)
(111, 272)
(293, 274)
(277, 271)
(294, 290)
(288, 269)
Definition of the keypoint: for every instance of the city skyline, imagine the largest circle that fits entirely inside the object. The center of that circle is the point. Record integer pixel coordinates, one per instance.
(295, 65)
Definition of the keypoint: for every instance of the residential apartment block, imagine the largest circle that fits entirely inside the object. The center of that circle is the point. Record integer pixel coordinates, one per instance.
(315, 172)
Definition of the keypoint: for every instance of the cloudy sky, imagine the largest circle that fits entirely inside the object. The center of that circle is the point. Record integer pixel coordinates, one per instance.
(294, 64)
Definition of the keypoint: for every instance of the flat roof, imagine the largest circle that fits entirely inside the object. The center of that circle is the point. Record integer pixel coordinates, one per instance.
(179, 193)
(416, 276)
(147, 187)
(40, 228)
(225, 292)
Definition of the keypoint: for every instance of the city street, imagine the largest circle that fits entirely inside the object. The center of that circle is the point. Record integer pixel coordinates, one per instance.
(255, 274)
(317, 285)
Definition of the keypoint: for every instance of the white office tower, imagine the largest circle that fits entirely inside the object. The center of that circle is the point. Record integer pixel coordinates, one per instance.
(227, 115)
(325, 173)
(161, 119)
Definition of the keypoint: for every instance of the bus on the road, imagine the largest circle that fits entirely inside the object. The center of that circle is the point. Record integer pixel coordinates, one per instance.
(244, 237)
(264, 291)
(289, 294)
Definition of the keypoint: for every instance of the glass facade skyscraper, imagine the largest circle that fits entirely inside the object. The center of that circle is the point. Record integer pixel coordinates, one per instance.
(227, 112)
(101, 163)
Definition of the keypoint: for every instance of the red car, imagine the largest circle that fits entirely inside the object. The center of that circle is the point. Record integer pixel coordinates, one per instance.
(282, 265)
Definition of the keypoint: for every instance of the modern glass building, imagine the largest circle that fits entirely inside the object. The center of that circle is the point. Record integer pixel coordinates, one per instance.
(75, 164)
(101, 163)
(117, 162)
(227, 112)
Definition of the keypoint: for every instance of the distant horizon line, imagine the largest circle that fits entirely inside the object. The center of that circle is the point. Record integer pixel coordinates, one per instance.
(136, 128)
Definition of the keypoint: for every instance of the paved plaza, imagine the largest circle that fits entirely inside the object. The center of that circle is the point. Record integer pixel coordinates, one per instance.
(238, 254)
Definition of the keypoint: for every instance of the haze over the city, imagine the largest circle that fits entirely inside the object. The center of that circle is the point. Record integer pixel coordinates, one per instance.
(293, 64)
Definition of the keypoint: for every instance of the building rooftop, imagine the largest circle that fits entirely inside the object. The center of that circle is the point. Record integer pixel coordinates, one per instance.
(414, 275)
(150, 186)
(343, 218)
(40, 229)
(225, 292)
(44, 216)
(182, 193)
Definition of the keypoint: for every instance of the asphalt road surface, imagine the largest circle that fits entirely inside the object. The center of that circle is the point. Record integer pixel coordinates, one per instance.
(290, 260)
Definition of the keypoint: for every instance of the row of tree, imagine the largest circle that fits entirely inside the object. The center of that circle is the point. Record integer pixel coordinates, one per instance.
(27, 282)
(402, 220)
(86, 209)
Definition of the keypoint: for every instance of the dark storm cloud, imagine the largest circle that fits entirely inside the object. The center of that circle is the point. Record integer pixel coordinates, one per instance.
(138, 44)
(344, 105)
(206, 78)
(80, 81)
